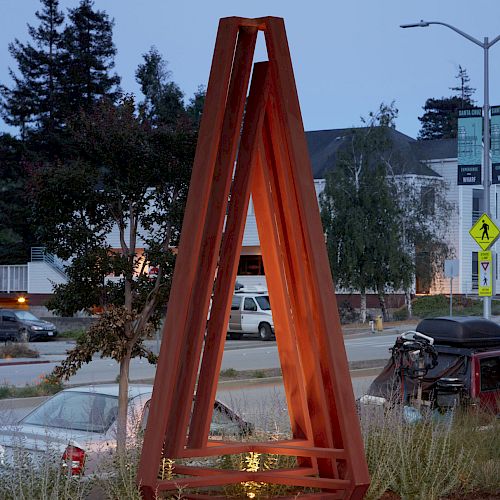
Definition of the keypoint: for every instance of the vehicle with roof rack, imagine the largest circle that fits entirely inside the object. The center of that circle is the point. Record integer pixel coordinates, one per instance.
(446, 362)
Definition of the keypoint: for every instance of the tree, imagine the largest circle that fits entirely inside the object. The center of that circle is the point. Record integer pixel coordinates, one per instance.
(463, 90)
(440, 120)
(359, 214)
(423, 215)
(163, 99)
(195, 107)
(88, 57)
(35, 98)
(379, 221)
(133, 178)
(16, 236)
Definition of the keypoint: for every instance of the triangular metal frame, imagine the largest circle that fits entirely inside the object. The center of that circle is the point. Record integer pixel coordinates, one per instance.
(273, 166)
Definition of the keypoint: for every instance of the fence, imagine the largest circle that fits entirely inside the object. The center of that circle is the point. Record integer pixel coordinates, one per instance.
(14, 278)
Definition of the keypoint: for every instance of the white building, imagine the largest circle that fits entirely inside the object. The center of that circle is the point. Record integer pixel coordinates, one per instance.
(426, 162)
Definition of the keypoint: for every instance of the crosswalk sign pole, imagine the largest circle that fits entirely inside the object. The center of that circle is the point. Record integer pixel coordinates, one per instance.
(485, 233)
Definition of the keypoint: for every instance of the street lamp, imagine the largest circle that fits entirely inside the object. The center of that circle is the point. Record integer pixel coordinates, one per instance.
(485, 45)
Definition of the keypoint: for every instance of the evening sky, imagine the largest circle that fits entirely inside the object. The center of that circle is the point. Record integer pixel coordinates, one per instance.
(348, 57)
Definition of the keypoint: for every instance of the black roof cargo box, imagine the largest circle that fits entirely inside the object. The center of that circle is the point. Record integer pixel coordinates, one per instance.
(466, 331)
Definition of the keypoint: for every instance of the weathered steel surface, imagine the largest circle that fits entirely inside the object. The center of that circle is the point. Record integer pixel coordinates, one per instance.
(268, 160)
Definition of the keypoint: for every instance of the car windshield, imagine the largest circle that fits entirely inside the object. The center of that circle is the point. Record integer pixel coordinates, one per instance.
(263, 301)
(79, 411)
(25, 315)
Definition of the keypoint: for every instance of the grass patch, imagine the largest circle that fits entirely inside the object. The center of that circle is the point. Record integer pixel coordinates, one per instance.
(17, 350)
(231, 373)
(47, 386)
(72, 334)
(432, 460)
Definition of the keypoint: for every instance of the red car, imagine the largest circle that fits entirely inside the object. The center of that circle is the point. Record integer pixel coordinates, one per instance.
(450, 360)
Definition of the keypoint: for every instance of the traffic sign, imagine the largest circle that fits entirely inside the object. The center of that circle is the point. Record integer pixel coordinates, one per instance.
(484, 232)
(485, 275)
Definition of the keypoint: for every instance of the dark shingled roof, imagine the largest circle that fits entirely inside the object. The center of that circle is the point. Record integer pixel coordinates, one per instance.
(437, 149)
(324, 145)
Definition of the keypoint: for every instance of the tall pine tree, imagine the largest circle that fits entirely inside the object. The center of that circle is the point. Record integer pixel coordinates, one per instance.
(34, 100)
(440, 119)
(88, 57)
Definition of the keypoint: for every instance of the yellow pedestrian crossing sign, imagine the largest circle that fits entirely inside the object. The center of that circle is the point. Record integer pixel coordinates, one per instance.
(484, 232)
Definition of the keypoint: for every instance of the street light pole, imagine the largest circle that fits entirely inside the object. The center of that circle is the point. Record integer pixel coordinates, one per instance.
(485, 45)
(486, 154)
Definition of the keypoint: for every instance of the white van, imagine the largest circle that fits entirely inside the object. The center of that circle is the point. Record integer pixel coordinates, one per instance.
(251, 314)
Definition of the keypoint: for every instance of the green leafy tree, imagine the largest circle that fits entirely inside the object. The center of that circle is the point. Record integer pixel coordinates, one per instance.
(34, 100)
(359, 214)
(424, 219)
(163, 103)
(423, 214)
(130, 177)
(440, 118)
(195, 107)
(384, 229)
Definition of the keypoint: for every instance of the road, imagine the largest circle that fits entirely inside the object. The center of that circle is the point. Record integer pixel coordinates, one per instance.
(263, 404)
(239, 355)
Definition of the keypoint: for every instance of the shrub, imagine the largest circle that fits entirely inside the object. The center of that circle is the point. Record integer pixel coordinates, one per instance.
(400, 314)
(73, 334)
(18, 350)
(431, 306)
(347, 313)
(229, 373)
(46, 386)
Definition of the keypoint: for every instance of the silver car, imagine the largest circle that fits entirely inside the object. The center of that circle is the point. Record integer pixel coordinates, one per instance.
(79, 424)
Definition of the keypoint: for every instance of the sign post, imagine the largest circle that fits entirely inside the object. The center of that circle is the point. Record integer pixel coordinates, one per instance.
(451, 270)
(485, 233)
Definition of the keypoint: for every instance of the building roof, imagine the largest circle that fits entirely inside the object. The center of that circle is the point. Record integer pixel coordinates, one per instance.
(324, 146)
(437, 149)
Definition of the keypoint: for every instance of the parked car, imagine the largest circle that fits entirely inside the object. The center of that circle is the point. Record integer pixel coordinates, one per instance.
(23, 326)
(80, 425)
(454, 360)
(251, 314)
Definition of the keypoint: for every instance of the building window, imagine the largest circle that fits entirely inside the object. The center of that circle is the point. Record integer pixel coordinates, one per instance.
(251, 265)
(474, 270)
(428, 199)
(477, 204)
(423, 278)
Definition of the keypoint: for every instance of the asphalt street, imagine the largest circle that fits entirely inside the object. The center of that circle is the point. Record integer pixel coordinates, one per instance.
(263, 404)
(239, 355)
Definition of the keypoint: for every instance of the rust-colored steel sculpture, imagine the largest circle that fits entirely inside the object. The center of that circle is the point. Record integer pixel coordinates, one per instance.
(272, 165)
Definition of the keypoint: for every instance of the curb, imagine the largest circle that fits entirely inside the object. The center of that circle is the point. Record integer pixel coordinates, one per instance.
(14, 363)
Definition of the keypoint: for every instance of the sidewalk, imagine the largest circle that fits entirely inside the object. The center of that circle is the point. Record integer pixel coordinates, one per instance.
(390, 328)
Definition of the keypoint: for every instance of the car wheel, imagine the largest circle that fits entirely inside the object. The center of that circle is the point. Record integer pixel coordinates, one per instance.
(23, 335)
(235, 336)
(265, 332)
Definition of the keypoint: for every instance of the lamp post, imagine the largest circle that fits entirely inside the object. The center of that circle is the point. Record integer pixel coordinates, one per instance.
(485, 45)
